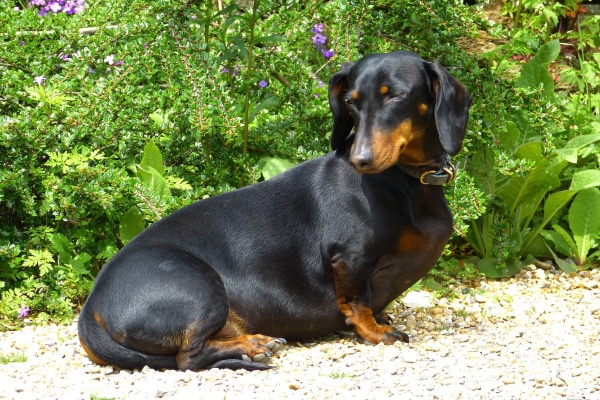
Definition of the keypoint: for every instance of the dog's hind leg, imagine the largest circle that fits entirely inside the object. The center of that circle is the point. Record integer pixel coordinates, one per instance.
(230, 348)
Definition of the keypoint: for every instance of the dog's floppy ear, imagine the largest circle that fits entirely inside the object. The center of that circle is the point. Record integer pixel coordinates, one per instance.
(452, 102)
(342, 120)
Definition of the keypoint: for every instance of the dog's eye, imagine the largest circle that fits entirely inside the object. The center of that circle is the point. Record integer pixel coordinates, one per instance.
(349, 101)
(395, 97)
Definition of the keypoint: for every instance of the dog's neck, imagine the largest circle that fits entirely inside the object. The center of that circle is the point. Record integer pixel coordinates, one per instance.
(434, 173)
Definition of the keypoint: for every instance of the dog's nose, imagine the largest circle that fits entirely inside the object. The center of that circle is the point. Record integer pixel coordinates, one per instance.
(362, 160)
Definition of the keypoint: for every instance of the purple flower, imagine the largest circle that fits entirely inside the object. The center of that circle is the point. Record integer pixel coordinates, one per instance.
(263, 84)
(22, 43)
(319, 39)
(90, 70)
(39, 79)
(236, 70)
(55, 7)
(224, 70)
(64, 57)
(23, 311)
(67, 6)
(321, 84)
(327, 53)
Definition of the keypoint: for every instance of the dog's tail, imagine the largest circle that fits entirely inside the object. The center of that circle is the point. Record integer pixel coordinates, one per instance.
(102, 349)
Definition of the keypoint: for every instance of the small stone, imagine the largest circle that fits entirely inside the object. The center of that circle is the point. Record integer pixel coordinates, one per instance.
(590, 284)
(419, 299)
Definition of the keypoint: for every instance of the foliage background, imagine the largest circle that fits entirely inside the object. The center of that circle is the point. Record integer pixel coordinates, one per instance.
(145, 107)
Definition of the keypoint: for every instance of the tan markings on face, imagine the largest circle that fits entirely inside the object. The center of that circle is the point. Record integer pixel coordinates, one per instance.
(383, 89)
(387, 147)
(423, 108)
(355, 95)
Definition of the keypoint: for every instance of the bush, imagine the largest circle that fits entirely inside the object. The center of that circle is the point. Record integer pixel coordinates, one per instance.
(117, 115)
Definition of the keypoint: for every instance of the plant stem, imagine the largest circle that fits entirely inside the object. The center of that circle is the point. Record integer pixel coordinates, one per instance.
(250, 47)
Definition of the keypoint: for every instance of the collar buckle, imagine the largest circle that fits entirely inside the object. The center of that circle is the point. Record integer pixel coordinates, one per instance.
(443, 176)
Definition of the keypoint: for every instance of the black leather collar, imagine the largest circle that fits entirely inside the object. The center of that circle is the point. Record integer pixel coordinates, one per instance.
(446, 174)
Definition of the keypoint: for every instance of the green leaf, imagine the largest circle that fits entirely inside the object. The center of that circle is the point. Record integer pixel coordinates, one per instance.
(154, 180)
(80, 263)
(535, 72)
(153, 158)
(490, 268)
(239, 41)
(568, 154)
(585, 179)
(272, 166)
(530, 151)
(131, 224)
(63, 247)
(522, 190)
(266, 103)
(554, 203)
(584, 221)
(547, 53)
(571, 149)
(567, 266)
(561, 241)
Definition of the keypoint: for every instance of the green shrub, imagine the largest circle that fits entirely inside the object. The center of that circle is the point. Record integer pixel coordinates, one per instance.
(116, 116)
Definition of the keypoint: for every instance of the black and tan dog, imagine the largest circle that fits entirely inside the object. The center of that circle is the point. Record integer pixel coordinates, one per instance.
(326, 245)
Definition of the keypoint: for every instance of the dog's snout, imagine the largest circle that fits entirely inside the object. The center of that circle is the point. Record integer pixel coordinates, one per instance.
(362, 159)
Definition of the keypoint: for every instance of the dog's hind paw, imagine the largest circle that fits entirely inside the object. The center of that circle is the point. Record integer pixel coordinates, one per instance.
(276, 344)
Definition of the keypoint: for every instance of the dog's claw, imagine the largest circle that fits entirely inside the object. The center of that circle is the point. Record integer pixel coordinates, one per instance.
(275, 344)
(401, 337)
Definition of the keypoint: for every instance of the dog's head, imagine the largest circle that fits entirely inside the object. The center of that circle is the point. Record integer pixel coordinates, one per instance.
(404, 110)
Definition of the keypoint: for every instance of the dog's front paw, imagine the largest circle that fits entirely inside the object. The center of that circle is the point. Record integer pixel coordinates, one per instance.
(396, 336)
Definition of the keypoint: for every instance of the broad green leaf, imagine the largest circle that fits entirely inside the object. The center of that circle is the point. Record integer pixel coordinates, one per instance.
(272, 166)
(131, 224)
(81, 263)
(567, 266)
(154, 180)
(568, 154)
(490, 268)
(585, 179)
(511, 136)
(266, 103)
(239, 41)
(555, 202)
(547, 53)
(521, 190)
(584, 221)
(153, 158)
(561, 243)
(530, 151)
(533, 75)
(535, 72)
(582, 141)
(63, 247)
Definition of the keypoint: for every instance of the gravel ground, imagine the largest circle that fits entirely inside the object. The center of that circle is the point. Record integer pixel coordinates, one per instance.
(535, 336)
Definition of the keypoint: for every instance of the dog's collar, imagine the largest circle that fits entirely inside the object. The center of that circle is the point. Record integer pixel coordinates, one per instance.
(446, 174)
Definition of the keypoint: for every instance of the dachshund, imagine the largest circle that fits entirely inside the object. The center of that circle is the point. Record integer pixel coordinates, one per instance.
(322, 247)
